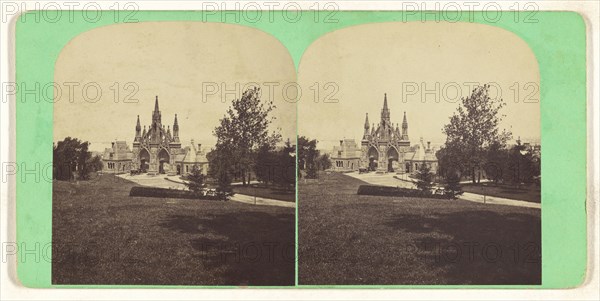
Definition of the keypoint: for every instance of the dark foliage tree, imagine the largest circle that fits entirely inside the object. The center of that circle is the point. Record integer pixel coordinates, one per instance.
(195, 180)
(473, 129)
(244, 129)
(522, 166)
(453, 183)
(95, 163)
(497, 155)
(287, 165)
(266, 164)
(221, 169)
(424, 178)
(71, 155)
(307, 156)
(276, 166)
(323, 162)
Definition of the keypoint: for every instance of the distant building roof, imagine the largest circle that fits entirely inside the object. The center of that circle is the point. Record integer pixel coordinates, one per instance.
(193, 154)
(118, 152)
(347, 149)
(422, 153)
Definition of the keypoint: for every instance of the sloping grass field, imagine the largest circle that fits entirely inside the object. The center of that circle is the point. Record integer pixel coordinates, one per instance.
(347, 239)
(103, 236)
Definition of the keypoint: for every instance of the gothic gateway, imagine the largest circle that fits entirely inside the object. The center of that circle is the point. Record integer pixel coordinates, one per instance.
(383, 147)
(154, 149)
(387, 149)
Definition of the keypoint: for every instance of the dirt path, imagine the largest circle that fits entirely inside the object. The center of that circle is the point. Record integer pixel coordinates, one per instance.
(388, 179)
(175, 183)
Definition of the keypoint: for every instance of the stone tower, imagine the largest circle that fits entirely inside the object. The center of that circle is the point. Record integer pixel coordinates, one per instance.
(154, 150)
(383, 148)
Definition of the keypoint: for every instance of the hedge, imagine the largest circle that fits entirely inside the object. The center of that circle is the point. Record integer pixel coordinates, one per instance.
(154, 192)
(397, 191)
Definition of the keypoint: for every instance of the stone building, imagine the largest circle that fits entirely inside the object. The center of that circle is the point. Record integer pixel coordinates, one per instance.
(346, 156)
(421, 154)
(385, 148)
(117, 158)
(192, 155)
(155, 148)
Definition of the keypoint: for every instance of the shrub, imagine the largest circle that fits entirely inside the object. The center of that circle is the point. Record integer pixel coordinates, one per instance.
(453, 184)
(396, 191)
(424, 178)
(155, 192)
(195, 180)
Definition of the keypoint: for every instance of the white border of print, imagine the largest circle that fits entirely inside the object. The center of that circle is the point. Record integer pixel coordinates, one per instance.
(10, 288)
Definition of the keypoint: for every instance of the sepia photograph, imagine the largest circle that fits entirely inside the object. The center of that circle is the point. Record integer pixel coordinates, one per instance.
(174, 157)
(420, 165)
(298, 150)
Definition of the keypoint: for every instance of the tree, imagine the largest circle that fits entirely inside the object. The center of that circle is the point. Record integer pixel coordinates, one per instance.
(244, 129)
(68, 156)
(523, 166)
(307, 156)
(497, 155)
(453, 184)
(95, 163)
(265, 165)
(424, 178)
(323, 162)
(449, 159)
(195, 180)
(224, 191)
(219, 160)
(473, 128)
(287, 165)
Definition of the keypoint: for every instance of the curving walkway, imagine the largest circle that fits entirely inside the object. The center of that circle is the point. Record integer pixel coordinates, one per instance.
(388, 179)
(173, 182)
(478, 198)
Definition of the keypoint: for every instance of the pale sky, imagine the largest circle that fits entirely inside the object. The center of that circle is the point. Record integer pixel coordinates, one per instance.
(180, 61)
(176, 61)
(366, 61)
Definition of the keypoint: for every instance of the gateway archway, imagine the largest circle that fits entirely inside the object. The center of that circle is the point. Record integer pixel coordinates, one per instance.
(144, 160)
(373, 156)
(163, 158)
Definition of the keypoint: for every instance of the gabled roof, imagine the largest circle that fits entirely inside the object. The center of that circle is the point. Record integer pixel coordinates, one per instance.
(421, 153)
(193, 155)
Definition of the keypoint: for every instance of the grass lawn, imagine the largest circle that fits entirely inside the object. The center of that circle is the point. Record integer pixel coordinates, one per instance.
(103, 236)
(347, 239)
(268, 192)
(529, 192)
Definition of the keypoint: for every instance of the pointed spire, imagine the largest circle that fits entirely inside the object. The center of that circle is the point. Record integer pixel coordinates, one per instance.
(175, 130)
(367, 121)
(138, 130)
(156, 119)
(137, 126)
(404, 128)
(385, 106)
(385, 113)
